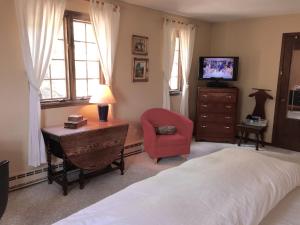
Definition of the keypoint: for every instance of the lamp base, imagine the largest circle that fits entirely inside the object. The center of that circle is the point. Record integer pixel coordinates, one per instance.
(103, 112)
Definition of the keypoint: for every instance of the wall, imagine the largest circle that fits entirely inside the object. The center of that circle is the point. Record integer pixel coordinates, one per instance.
(132, 98)
(258, 44)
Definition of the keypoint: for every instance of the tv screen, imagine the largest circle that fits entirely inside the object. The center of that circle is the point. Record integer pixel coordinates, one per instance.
(225, 68)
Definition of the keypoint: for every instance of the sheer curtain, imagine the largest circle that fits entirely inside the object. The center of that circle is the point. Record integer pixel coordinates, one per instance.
(169, 40)
(187, 38)
(39, 23)
(105, 18)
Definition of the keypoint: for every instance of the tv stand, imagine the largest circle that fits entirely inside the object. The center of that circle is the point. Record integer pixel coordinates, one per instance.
(217, 84)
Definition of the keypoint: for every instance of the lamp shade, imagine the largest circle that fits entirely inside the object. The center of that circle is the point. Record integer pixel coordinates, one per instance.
(102, 95)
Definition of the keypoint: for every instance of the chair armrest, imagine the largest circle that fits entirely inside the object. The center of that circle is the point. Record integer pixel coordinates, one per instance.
(184, 126)
(149, 133)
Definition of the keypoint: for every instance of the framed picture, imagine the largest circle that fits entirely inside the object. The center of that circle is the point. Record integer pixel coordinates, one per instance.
(140, 70)
(139, 45)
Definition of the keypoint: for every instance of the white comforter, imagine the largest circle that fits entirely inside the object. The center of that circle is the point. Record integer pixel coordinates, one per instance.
(231, 187)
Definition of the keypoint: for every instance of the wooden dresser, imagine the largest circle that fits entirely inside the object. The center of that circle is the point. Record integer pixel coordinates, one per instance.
(216, 114)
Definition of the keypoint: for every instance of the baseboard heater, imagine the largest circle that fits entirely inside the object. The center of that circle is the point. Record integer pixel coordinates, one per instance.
(40, 175)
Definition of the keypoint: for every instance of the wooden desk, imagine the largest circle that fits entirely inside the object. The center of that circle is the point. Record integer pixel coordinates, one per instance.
(92, 148)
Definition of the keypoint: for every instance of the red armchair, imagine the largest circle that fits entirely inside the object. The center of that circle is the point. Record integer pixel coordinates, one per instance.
(159, 146)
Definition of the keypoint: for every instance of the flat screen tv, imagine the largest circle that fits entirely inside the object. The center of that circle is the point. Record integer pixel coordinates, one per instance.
(218, 68)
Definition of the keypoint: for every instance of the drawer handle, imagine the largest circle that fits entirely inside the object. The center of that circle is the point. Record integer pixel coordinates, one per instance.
(203, 126)
(227, 117)
(205, 106)
(204, 116)
(228, 106)
(204, 96)
(229, 96)
(227, 127)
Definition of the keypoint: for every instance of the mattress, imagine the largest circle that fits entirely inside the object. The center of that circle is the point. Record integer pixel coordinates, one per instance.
(199, 194)
(287, 212)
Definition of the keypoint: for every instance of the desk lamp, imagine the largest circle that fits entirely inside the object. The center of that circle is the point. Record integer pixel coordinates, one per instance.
(102, 96)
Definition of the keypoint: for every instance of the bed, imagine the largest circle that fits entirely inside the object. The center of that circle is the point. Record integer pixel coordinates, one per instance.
(232, 186)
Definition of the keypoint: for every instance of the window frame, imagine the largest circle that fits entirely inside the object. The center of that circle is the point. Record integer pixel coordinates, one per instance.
(174, 92)
(71, 99)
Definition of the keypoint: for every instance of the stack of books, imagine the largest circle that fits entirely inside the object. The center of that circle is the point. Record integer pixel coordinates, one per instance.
(75, 121)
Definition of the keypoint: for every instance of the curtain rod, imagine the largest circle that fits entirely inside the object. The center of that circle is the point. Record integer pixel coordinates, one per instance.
(179, 22)
(102, 3)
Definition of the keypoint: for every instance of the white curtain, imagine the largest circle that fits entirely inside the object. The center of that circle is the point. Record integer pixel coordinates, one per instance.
(169, 40)
(39, 23)
(105, 18)
(187, 39)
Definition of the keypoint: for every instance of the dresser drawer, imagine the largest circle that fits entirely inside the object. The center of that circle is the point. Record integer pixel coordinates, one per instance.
(215, 129)
(217, 97)
(215, 107)
(217, 118)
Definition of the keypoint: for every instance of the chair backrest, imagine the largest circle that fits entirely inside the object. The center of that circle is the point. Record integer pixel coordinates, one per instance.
(160, 117)
(3, 186)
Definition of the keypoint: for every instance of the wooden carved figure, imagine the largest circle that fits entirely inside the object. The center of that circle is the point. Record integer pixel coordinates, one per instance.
(261, 97)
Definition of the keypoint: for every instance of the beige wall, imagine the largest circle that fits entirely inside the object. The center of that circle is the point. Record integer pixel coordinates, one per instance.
(132, 98)
(258, 43)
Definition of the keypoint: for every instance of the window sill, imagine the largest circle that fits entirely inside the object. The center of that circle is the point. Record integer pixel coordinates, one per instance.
(59, 104)
(174, 93)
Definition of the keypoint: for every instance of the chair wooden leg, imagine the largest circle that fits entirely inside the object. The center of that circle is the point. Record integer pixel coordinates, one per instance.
(185, 156)
(156, 160)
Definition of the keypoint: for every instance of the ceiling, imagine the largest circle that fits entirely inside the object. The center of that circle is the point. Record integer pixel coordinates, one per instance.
(222, 10)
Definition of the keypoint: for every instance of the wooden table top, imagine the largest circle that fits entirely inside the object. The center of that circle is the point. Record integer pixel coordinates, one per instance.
(134, 135)
(60, 131)
(249, 126)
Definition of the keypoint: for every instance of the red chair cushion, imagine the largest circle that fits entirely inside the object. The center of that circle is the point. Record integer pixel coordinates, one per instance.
(167, 140)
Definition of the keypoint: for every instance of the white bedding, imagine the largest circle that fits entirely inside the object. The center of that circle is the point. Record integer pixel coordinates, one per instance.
(229, 187)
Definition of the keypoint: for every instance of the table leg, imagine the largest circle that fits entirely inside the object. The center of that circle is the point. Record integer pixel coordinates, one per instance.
(262, 139)
(246, 138)
(50, 173)
(81, 179)
(65, 178)
(241, 136)
(122, 164)
(257, 141)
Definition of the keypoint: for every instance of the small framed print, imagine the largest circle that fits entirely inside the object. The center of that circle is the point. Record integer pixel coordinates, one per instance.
(139, 45)
(140, 70)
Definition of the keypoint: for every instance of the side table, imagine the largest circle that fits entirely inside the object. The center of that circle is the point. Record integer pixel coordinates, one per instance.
(246, 129)
(91, 149)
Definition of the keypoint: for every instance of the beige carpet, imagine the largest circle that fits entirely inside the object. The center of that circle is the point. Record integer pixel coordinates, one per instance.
(44, 204)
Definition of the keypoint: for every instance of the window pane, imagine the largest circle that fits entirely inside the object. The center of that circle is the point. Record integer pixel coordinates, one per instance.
(90, 35)
(58, 69)
(173, 83)
(93, 70)
(92, 52)
(59, 89)
(80, 69)
(81, 88)
(46, 89)
(58, 51)
(79, 31)
(80, 51)
(92, 86)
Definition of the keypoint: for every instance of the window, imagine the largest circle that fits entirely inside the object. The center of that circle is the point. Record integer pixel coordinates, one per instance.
(54, 85)
(175, 80)
(74, 70)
